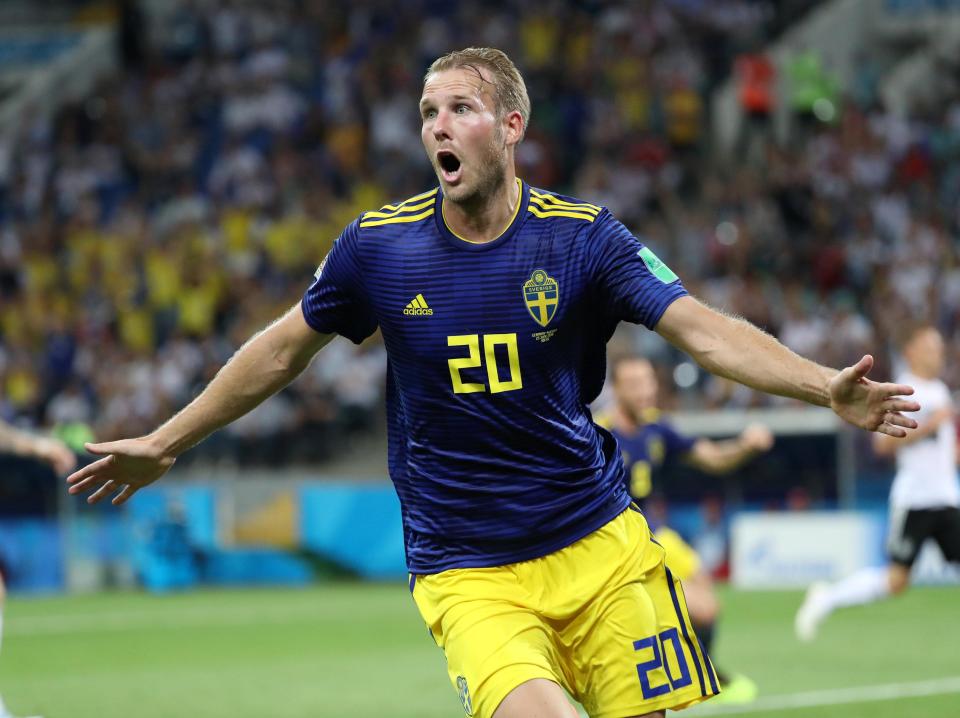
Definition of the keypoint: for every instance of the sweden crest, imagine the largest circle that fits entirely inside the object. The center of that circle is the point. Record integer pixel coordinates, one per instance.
(541, 294)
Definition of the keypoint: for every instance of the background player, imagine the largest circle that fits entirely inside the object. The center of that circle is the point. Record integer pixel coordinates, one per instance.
(492, 450)
(648, 441)
(924, 498)
(50, 451)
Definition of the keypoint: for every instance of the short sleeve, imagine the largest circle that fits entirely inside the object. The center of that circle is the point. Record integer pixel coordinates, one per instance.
(335, 302)
(634, 284)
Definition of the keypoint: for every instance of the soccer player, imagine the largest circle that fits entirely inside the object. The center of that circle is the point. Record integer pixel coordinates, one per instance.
(924, 498)
(495, 300)
(647, 442)
(48, 450)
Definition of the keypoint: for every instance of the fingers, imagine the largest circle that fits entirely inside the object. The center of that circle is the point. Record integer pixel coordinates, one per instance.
(107, 475)
(891, 430)
(90, 470)
(897, 419)
(108, 486)
(102, 492)
(85, 485)
(895, 424)
(896, 404)
(861, 368)
(125, 493)
(105, 447)
(896, 389)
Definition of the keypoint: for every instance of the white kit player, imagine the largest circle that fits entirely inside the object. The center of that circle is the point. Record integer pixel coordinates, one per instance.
(924, 498)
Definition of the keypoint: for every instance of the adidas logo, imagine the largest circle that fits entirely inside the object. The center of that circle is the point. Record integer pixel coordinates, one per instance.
(418, 307)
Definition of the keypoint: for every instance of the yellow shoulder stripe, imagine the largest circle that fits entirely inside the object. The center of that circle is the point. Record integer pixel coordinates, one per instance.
(398, 205)
(604, 419)
(399, 211)
(563, 203)
(398, 219)
(583, 209)
(545, 214)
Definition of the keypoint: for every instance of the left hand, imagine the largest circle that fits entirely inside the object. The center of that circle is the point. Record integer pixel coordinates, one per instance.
(126, 467)
(871, 405)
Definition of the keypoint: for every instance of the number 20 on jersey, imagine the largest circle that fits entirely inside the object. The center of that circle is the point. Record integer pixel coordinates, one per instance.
(495, 383)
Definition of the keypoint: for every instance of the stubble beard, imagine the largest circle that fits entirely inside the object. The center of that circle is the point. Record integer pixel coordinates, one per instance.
(492, 165)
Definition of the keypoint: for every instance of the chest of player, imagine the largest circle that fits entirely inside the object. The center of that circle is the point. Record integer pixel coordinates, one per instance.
(480, 315)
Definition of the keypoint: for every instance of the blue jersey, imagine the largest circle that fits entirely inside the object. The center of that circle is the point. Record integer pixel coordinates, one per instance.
(646, 449)
(494, 351)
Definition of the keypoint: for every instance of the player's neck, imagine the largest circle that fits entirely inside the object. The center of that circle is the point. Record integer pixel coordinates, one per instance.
(484, 218)
(624, 421)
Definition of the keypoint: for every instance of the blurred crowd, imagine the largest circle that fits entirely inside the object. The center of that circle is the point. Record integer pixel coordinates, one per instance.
(147, 231)
(835, 244)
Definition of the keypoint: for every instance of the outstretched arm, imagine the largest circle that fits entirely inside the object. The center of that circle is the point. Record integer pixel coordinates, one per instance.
(721, 457)
(260, 368)
(46, 449)
(735, 349)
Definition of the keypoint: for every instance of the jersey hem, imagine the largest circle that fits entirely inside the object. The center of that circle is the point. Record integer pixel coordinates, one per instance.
(538, 551)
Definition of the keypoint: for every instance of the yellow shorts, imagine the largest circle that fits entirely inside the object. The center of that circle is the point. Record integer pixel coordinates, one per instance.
(683, 560)
(603, 617)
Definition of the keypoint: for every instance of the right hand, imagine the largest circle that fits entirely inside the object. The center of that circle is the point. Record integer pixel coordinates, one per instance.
(871, 405)
(126, 467)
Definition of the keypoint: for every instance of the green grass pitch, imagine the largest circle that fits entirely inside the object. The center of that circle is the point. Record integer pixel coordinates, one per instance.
(350, 650)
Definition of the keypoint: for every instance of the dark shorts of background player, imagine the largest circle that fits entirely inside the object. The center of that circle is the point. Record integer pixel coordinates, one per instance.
(909, 528)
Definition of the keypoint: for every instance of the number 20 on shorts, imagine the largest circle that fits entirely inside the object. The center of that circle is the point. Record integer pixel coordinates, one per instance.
(495, 383)
(662, 646)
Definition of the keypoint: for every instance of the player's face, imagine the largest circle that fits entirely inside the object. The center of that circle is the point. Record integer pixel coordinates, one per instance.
(636, 387)
(925, 353)
(463, 134)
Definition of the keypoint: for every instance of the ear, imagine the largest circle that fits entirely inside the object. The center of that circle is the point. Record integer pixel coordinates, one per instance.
(513, 128)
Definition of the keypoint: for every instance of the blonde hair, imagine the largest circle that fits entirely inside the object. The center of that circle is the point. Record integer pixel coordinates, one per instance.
(510, 91)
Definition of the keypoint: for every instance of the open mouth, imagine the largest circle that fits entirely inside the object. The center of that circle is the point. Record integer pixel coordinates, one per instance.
(450, 166)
